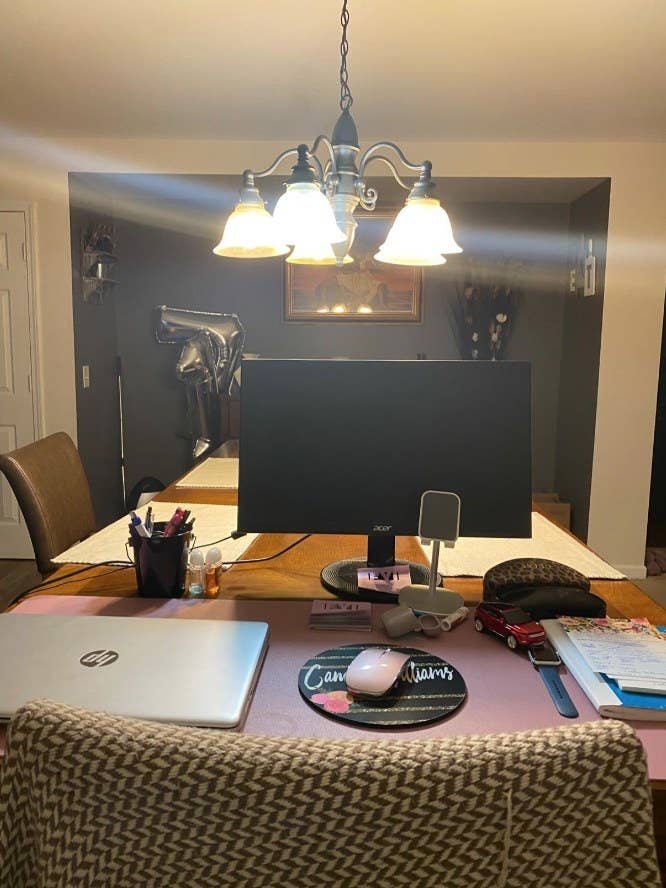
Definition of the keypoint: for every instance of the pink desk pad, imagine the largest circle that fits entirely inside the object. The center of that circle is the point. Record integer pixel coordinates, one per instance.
(504, 692)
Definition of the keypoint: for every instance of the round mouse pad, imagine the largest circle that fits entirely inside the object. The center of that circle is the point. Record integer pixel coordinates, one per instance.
(428, 689)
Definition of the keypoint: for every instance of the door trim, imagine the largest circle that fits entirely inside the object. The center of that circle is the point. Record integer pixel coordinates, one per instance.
(28, 210)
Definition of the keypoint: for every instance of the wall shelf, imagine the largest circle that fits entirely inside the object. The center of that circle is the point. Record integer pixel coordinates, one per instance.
(98, 259)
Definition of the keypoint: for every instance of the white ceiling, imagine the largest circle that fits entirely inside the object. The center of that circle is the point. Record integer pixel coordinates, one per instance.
(573, 70)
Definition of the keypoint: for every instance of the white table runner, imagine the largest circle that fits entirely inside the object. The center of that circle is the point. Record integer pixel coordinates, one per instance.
(213, 472)
(473, 556)
(212, 523)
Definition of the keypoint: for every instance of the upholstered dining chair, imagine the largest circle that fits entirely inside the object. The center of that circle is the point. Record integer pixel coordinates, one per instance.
(229, 448)
(89, 799)
(50, 484)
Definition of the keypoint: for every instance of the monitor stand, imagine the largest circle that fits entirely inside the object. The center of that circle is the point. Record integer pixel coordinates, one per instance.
(341, 577)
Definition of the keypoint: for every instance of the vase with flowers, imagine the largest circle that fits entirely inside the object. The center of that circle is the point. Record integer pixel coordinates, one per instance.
(484, 311)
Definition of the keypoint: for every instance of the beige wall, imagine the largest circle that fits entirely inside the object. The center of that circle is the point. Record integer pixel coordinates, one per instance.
(36, 171)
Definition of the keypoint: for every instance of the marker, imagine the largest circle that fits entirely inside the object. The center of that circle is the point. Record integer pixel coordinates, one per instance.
(174, 523)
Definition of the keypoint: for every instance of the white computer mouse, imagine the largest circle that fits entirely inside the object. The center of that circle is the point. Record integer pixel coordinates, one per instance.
(374, 671)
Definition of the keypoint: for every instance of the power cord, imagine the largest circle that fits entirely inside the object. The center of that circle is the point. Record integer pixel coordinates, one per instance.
(274, 555)
(234, 535)
(237, 534)
(63, 580)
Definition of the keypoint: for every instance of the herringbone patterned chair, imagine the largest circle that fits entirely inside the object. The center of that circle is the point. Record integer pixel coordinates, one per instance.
(93, 800)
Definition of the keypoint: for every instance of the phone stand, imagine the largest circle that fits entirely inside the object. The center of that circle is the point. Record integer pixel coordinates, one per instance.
(439, 521)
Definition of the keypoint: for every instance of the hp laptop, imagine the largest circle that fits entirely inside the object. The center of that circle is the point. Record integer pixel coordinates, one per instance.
(189, 672)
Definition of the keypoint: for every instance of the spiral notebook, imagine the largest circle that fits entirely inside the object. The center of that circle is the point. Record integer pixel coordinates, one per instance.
(604, 692)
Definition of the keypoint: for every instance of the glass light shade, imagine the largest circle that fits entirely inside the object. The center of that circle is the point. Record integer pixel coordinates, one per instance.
(250, 233)
(432, 259)
(303, 214)
(311, 252)
(420, 234)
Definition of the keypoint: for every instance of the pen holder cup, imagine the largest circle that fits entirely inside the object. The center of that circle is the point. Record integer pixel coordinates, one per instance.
(160, 562)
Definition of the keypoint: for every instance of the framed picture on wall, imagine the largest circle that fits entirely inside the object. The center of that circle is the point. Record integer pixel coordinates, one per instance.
(364, 290)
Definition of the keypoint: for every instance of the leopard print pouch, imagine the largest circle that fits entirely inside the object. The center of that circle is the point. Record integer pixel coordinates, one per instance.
(543, 588)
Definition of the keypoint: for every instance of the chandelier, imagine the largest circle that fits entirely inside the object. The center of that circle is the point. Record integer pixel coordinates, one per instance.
(314, 221)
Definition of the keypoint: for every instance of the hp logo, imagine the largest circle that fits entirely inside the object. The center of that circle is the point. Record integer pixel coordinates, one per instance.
(99, 658)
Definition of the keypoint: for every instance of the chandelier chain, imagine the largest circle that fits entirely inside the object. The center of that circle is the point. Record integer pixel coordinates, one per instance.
(346, 99)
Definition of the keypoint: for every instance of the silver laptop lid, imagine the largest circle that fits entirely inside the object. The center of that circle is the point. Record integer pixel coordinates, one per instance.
(191, 672)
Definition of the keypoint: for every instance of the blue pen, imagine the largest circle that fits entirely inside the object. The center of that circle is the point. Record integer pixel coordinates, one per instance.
(138, 526)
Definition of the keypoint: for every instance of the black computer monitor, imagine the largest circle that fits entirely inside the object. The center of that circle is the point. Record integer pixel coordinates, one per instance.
(347, 447)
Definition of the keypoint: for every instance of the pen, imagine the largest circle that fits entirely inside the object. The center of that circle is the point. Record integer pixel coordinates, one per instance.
(138, 526)
(149, 520)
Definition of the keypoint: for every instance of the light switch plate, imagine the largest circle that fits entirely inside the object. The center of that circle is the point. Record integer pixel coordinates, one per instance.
(85, 375)
(590, 286)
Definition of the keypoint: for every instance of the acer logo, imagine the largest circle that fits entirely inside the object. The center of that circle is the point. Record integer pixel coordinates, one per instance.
(99, 658)
(381, 528)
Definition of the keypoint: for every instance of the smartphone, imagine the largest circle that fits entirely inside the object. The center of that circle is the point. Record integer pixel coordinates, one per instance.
(543, 656)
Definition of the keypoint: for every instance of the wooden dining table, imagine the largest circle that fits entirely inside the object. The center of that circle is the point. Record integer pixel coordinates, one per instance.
(295, 575)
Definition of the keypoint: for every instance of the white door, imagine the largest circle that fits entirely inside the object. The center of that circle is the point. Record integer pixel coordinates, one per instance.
(16, 405)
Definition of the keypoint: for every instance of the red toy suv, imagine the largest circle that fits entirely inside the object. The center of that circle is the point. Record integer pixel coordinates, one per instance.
(510, 622)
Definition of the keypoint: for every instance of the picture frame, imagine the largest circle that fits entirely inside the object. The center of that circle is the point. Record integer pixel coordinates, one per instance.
(365, 291)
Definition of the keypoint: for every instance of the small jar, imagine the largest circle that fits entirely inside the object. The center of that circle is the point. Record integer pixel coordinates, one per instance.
(213, 567)
(195, 575)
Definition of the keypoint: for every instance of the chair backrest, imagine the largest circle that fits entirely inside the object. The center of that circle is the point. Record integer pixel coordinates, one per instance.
(50, 484)
(229, 448)
(90, 799)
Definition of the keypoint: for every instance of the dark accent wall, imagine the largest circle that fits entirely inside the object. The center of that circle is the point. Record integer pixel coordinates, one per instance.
(166, 227)
(581, 344)
(95, 344)
(536, 236)
(656, 531)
